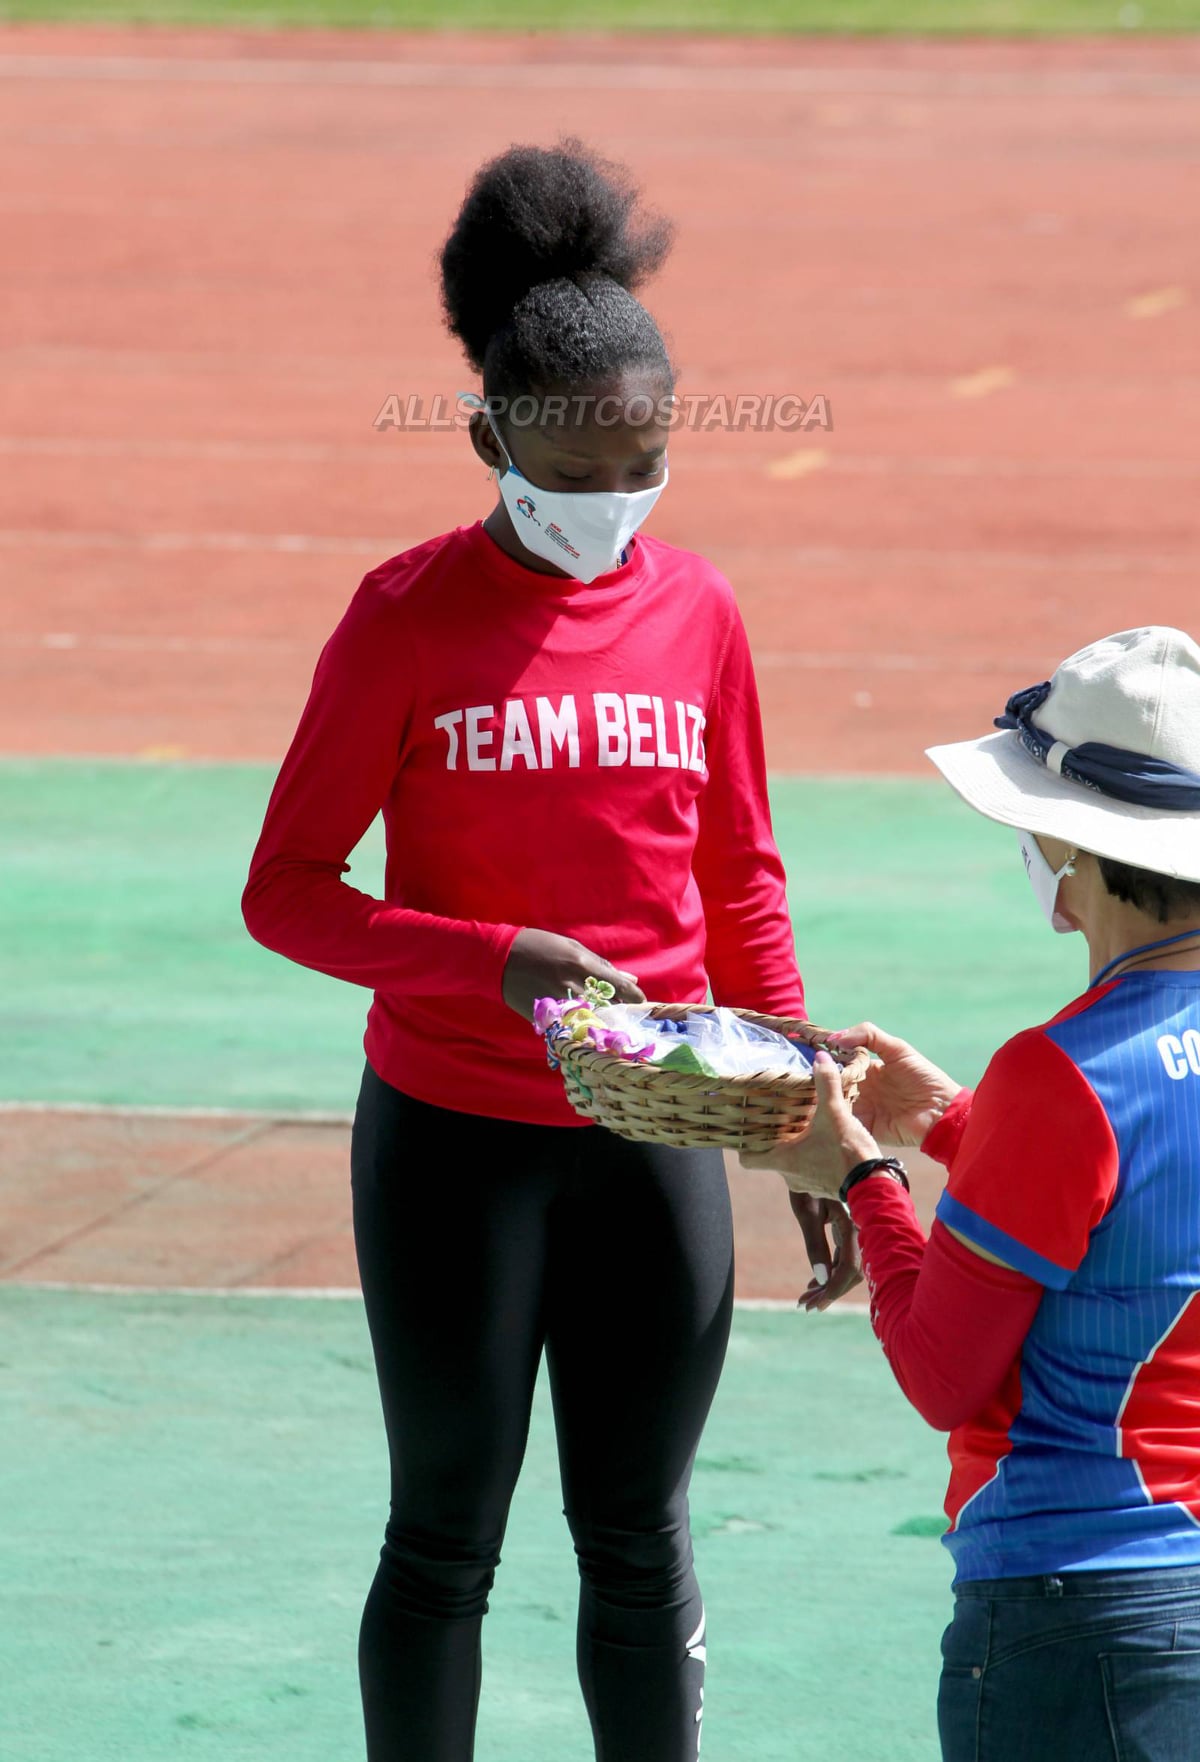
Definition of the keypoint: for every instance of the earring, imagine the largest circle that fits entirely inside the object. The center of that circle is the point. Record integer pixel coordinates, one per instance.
(491, 475)
(1069, 868)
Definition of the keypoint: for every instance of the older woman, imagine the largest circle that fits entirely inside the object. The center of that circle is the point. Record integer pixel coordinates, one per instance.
(1049, 1323)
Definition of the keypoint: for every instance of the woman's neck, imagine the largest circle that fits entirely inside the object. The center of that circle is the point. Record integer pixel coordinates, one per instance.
(1128, 929)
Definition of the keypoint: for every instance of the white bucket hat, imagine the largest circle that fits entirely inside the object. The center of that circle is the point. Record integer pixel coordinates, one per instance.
(1105, 756)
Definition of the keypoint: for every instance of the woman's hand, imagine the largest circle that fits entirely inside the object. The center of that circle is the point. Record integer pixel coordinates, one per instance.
(820, 1161)
(902, 1098)
(834, 1272)
(541, 964)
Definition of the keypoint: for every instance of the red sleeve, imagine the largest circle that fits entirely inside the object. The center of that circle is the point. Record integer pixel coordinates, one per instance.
(751, 955)
(951, 1323)
(336, 777)
(1037, 1166)
(942, 1140)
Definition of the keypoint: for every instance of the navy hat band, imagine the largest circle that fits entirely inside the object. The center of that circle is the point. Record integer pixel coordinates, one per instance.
(1110, 770)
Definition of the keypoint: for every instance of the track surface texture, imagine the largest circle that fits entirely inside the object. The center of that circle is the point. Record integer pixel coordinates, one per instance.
(220, 266)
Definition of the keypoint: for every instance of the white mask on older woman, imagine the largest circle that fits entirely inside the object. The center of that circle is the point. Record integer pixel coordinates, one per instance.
(1044, 880)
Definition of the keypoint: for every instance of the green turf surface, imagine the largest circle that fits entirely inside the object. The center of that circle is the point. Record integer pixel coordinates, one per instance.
(126, 974)
(742, 16)
(191, 1520)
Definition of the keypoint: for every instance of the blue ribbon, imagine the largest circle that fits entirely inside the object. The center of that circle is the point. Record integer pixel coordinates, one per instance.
(1110, 770)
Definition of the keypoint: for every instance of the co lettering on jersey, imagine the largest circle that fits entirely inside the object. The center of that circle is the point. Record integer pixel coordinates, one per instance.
(1180, 1053)
(630, 728)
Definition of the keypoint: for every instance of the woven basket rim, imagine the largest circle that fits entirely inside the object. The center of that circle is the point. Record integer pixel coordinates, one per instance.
(606, 1068)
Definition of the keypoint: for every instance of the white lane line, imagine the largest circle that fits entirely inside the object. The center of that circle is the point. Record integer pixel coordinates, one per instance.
(778, 557)
(966, 465)
(124, 360)
(704, 457)
(812, 660)
(399, 373)
(1156, 302)
(331, 1293)
(982, 383)
(617, 75)
(891, 662)
(1015, 562)
(235, 1115)
(799, 464)
(283, 543)
(61, 446)
(336, 1293)
(104, 642)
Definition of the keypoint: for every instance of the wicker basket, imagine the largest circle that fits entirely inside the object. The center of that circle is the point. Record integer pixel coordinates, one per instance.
(653, 1106)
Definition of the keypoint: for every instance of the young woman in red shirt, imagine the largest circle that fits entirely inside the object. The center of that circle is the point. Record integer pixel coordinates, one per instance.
(557, 718)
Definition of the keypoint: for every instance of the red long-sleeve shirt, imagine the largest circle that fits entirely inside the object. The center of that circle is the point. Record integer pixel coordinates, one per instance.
(581, 759)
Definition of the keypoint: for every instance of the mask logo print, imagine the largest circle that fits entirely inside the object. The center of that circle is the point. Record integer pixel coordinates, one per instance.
(526, 505)
(554, 531)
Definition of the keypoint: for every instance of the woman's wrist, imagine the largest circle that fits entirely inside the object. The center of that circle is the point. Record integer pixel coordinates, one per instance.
(888, 1166)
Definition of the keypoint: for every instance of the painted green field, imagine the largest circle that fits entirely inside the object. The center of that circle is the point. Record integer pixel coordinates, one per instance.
(219, 1465)
(744, 16)
(135, 981)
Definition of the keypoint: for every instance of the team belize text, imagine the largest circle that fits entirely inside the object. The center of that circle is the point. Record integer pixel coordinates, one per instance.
(608, 729)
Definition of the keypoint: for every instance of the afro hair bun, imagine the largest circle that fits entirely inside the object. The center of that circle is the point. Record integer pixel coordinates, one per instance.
(542, 214)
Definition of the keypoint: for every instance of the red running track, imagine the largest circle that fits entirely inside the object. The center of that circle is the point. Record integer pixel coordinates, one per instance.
(219, 265)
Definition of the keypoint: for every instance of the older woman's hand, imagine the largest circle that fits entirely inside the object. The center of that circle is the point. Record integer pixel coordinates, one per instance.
(820, 1161)
(902, 1098)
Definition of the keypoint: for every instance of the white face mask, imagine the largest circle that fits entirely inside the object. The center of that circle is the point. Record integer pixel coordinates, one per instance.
(1044, 880)
(582, 531)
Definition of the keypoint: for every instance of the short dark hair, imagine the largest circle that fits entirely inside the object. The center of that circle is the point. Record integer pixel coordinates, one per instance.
(539, 268)
(1161, 897)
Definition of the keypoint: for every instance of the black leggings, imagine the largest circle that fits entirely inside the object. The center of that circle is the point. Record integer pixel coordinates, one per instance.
(479, 1242)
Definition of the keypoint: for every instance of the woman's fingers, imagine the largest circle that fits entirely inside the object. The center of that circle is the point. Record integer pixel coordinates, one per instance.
(842, 1270)
(626, 987)
(542, 963)
(827, 1079)
(847, 1260)
(809, 1213)
(876, 1040)
(624, 984)
(853, 1140)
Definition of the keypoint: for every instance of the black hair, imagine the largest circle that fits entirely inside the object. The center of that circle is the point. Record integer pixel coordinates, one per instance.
(1161, 897)
(539, 268)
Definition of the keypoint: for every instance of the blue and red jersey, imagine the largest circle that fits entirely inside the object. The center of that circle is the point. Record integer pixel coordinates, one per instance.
(1079, 1166)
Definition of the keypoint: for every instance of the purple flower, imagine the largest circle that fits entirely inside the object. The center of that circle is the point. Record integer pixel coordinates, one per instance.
(547, 1011)
(557, 1018)
(617, 1042)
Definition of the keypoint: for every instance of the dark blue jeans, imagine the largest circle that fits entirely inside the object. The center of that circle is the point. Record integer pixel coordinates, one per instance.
(1086, 1667)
